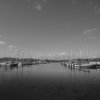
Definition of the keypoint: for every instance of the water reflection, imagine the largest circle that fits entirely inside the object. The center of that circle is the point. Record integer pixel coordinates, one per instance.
(49, 81)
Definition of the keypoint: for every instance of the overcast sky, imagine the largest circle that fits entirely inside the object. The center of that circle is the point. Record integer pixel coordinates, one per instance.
(46, 27)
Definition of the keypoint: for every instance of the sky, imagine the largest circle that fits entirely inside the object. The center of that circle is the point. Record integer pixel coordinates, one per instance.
(49, 27)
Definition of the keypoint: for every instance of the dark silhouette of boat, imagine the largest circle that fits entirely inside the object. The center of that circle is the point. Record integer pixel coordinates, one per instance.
(93, 66)
(13, 65)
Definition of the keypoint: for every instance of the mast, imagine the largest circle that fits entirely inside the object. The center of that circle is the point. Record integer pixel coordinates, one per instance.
(18, 55)
(80, 53)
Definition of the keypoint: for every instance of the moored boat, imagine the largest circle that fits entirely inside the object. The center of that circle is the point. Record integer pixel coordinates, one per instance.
(13, 64)
(89, 66)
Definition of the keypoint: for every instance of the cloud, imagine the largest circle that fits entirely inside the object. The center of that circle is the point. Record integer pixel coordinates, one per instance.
(38, 4)
(89, 31)
(62, 54)
(2, 42)
(38, 7)
(90, 34)
(12, 47)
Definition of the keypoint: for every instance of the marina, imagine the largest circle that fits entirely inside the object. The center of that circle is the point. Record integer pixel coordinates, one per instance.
(49, 49)
(73, 64)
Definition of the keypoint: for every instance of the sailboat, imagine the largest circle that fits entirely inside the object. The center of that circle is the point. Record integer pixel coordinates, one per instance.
(15, 63)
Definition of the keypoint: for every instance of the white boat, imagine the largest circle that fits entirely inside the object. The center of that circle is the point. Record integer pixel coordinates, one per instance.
(3, 63)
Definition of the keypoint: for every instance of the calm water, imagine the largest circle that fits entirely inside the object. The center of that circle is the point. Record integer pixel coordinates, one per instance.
(49, 82)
